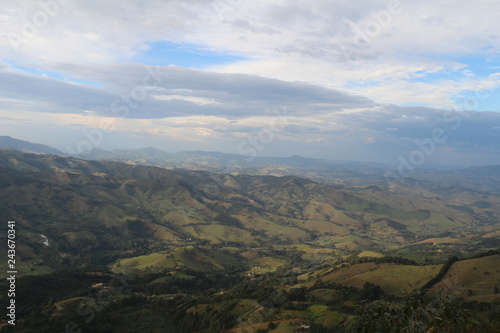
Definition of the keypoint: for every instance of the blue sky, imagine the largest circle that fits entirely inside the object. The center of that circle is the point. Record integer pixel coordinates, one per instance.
(164, 53)
(50, 74)
(363, 80)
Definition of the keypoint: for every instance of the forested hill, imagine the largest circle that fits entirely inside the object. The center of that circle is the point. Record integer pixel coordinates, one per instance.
(209, 249)
(95, 210)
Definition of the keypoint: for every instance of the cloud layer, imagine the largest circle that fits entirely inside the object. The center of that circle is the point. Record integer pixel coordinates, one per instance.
(363, 80)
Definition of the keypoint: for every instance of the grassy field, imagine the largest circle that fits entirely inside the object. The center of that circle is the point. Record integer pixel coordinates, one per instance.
(251, 316)
(319, 211)
(325, 227)
(473, 279)
(164, 233)
(319, 314)
(444, 240)
(154, 260)
(323, 295)
(265, 265)
(66, 304)
(370, 254)
(394, 279)
(316, 254)
(183, 257)
(28, 267)
(291, 319)
(220, 233)
(352, 242)
(269, 227)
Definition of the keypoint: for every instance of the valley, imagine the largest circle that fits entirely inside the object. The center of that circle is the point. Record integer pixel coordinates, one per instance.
(245, 249)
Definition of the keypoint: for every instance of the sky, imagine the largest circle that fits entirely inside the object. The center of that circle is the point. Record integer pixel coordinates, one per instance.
(395, 82)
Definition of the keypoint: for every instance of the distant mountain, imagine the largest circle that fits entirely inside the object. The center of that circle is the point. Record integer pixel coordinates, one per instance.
(484, 179)
(489, 170)
(322, 170)
(347, 173)
(27, 147)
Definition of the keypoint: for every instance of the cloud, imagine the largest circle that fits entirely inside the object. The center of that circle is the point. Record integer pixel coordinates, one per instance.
(312, 114)
(52, 94)
(378, 45)
(364, 78)
(140, 90)
(114, 30)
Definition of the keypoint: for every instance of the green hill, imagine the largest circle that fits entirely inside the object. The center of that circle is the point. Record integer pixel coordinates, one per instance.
(132, 248)
(95, 213)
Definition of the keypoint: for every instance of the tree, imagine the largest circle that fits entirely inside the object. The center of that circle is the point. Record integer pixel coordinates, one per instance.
(272, 326)
(416, 315)
(370, 292)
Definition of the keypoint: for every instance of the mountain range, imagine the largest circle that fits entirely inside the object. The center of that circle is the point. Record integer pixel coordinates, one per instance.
(169, 227)
(480, 178)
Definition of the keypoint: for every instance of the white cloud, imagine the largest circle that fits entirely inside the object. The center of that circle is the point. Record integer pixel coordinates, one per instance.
(317, 58)
(193, 99)
(289, 40)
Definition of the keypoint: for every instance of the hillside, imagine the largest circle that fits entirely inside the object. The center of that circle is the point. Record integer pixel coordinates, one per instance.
(483, 179)
(204, 245)
(83, 206)
(27, 147)
(473, 279)
(86, 205)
